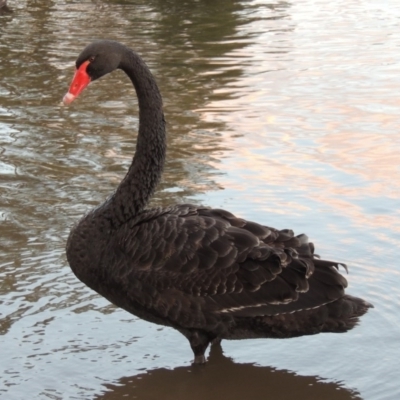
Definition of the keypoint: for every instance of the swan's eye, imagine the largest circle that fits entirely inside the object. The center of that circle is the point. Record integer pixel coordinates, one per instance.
(91, 58)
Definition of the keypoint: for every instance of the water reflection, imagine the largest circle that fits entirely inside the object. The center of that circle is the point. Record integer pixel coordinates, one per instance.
(281, 112)
(222, 378)
(4, 8)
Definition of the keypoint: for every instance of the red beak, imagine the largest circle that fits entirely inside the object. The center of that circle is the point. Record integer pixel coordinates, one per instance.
(80, 80)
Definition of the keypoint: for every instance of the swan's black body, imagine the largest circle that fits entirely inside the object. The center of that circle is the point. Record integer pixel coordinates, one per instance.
(202, 271)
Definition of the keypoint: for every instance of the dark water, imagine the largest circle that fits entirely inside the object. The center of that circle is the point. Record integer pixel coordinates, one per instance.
(286, 113)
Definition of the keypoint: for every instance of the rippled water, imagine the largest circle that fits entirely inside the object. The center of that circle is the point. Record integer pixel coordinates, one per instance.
(286, 113)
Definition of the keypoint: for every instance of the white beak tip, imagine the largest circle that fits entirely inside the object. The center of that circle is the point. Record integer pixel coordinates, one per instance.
(68, 98)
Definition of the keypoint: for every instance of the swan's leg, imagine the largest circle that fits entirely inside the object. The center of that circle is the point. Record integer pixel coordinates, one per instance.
(199, 343)
(216, 342)
(216, 353)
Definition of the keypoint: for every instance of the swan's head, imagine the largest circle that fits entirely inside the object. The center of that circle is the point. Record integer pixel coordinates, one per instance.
(97, 59)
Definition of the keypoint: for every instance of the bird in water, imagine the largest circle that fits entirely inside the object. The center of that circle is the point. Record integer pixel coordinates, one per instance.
(203, 271)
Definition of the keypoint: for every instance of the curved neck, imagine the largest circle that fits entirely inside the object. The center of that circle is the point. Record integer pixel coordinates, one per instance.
(143, 175)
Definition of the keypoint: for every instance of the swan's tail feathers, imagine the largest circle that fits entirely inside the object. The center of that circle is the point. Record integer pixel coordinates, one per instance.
(337, 316)
(344, 313)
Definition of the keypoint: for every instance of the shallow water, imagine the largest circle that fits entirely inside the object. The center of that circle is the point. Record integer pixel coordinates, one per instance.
(284, 113)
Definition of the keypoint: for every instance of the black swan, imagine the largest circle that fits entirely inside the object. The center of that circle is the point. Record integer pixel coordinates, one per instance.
(202, 271)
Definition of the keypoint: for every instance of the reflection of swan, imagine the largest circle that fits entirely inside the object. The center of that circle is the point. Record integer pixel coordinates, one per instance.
(224, 379)
(201, 271)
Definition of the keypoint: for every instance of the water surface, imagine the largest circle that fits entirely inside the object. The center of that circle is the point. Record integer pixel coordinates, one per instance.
(286, 113)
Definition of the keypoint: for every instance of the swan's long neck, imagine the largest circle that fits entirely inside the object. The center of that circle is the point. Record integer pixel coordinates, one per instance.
(137, 187)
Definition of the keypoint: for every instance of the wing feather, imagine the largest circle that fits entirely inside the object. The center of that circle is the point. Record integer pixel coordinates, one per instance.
(206, 262)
